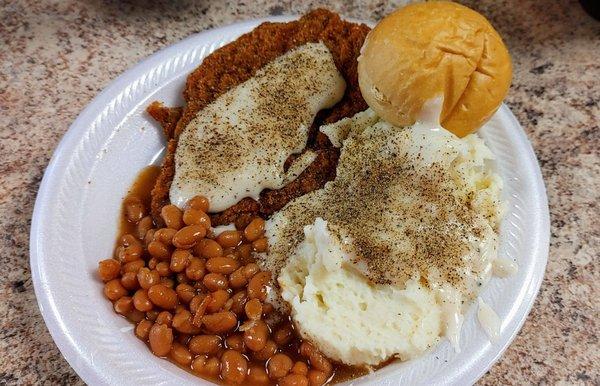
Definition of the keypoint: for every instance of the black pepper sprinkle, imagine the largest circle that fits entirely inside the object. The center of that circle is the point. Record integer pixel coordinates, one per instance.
(426, 229)
(249, 132)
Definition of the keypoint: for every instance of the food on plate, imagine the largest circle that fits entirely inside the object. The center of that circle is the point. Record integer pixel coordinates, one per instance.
(197, 297)
(235, 63)
(406, 231)
(298, 235)
(256, 126)
(432, 50)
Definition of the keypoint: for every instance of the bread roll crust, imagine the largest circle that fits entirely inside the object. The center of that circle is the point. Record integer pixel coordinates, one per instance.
(434, 49)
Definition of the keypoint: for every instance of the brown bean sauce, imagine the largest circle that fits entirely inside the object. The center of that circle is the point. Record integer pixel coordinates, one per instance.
(141, 188)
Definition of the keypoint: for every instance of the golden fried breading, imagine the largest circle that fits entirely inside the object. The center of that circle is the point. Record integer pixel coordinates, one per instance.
(237, 62)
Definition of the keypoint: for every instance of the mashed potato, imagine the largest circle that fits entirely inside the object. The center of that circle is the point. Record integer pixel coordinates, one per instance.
(384, 260)
(351, 320)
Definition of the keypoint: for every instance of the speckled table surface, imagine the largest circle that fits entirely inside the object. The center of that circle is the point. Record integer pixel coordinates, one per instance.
(55, 56)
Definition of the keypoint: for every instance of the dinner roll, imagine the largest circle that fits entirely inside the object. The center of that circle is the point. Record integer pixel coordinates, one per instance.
(435, 49)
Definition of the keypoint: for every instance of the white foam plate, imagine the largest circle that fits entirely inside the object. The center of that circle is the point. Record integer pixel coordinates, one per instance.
(76, 218)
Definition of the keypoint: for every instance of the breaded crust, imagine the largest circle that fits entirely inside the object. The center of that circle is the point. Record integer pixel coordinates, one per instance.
(237, 62)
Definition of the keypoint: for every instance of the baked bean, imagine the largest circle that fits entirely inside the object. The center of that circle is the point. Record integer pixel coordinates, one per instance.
(132, 248)
(220, 322)
(195, 269)
(237, 278)
(135, 316)
(229, 239)
(128, 239)
(267, 352)
(256, 336)
(132, 253)
(161, 339)
(108, 269)
(114, 290)
(279, 366)
(208, 249)
(236, 342)
(123, 306)
(306, 349)
(213, 366)
(142, 330)
(199, 203)
(319, 362)
(178, 295)
(250, 270)
(228, 304)
(159, 250)
(182, 322)
(153, 262)
(257, 376)
(193, 216)
(172, 216)
(141, 301)
(293, 380)
(253, 309)
(260, 245)
(147, 278)
(233, 367)
(257, 286)
(188, 236)
(152, 314)
(205, 344)
(229, 251)
(239, 300)
(218, 300)
(255, 229)
(208, 367)
(164, 317)
(163, 296)
(201, 311)
(185, 293)
(133, 266)
(215, 281)
(143, 226)
(134, 209)
(244, 252)
(300, 368)
(163, 269)
(149, 237)
(224, 265)
(317, 377)
(283, 335)
(196, 302)
(119, 252)
(180, 354)
(165, 235)
(180, 259)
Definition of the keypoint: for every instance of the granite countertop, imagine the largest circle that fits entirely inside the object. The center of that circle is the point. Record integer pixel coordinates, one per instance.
(55, 56)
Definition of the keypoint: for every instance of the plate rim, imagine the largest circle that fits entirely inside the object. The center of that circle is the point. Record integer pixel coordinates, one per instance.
(76, 130)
